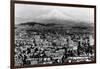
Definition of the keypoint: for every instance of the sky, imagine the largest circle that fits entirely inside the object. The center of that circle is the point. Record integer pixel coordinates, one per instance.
(26, 12)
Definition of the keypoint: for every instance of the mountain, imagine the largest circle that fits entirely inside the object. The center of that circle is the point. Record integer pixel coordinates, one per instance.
(55, 21)
(59, 18)
(55, 16)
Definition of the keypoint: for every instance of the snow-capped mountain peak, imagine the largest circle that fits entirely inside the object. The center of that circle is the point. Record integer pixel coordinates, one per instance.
(56, 14)
(53, 16)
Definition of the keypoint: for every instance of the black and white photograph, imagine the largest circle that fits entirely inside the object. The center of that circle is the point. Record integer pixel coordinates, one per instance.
(50, 34)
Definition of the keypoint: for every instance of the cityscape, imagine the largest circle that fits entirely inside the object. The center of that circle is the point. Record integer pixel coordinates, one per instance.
(53, 38)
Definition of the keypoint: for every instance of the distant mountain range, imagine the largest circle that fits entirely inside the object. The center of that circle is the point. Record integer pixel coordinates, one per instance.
(56, 20)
